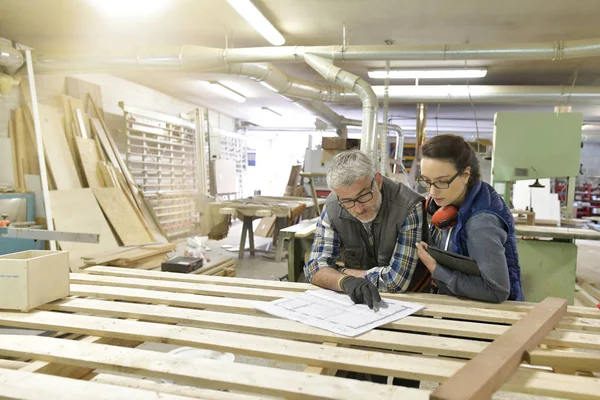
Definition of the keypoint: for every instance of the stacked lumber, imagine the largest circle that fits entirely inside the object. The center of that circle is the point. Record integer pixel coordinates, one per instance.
(148, 256)
(221, 266)
(90, 188)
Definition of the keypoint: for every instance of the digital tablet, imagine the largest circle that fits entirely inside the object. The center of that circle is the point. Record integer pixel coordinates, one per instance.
(454, 261)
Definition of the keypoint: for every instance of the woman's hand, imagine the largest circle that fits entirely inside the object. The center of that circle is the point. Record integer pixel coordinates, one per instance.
(424, 256)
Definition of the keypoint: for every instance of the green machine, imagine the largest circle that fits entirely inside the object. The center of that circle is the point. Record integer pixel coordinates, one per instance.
(536, 146)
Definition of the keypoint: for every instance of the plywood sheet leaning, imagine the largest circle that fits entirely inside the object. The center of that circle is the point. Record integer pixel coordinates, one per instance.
(17, 167)
(77, 210)
(81, 89)
(58, 154)
(89, 156)
(7, 173)
(25, 141)
(124, 177)
(122, 216)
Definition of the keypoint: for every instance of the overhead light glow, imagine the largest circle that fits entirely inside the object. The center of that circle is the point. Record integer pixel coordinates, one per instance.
(258, 21)
(428, 73)
(129, 8)
(225, 91)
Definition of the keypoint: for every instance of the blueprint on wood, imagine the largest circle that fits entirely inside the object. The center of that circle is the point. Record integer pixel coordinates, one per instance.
(336, 312)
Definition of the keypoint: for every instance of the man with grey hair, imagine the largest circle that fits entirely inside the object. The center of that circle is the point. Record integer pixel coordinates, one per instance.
(373, 224)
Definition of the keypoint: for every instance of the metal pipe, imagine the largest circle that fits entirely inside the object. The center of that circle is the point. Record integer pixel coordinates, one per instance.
(35, 114)
(358, 85)
(487, 94)
(199, 57)
(11, 59)
(277, 80)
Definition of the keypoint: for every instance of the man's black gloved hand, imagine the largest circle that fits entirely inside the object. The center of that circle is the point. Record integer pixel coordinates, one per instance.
(360, 290)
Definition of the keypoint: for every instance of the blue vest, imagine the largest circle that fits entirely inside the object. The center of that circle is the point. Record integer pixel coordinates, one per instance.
(483, 198)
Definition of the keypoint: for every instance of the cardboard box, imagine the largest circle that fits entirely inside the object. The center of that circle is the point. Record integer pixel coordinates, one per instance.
(31, 278)
(328, 155)
(333, 143)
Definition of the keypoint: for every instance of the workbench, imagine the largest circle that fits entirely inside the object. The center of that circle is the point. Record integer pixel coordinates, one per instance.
(299, 238)
(94, 333)
(249, 209)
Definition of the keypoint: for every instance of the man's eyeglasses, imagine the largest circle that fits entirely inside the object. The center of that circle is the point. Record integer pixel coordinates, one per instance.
(439, 184)
(362, 199)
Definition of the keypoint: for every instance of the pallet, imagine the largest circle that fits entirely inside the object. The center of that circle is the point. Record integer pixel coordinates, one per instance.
(116, 309)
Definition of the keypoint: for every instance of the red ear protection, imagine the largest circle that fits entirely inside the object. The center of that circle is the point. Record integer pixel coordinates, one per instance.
(441, 217)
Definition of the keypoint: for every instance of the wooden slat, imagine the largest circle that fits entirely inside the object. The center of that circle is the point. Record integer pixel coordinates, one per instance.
(207, 373)
(489, 369)
(410, 367)
(276, 327)
(30, 386)
(181, 287)
(76, 210)
(121, 215)
(273, 327)
(432, 310)
(515, 309)
(89, 156)
(414, 324)
(58, 153)
(169, 388)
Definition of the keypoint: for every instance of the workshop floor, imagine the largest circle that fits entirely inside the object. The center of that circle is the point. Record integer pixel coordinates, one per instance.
(262, 266)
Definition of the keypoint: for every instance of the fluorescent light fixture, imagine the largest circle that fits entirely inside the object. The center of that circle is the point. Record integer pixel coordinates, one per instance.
(271, 113)
(129, 8)
(428, 73)
(258, 21)
(227, 92)
(271, 88)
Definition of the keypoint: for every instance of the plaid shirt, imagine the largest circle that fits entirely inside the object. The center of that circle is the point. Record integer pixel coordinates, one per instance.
(392, 278)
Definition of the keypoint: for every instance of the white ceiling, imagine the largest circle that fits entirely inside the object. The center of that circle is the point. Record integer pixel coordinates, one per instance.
(72, 25)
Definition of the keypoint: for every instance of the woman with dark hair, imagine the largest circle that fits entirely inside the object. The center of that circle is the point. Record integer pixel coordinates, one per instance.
(469, 218)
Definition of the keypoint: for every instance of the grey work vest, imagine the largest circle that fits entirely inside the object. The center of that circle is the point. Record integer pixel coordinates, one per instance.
(356, 252)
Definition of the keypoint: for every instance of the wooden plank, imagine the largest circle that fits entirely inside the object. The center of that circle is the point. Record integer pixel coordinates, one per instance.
(169, 388)
(59, 156)
(27, 385)
(470, 310)
(203, 372)
(410, 367)
(121, 215)
(585, 298)
(7, 173)
(181, 287)
(80, 89)
(489, 369)
(557, 232)
(16, 161)
(88, 155)
(76, 210)
(107, 172)
(384, 339)
(415, 324)
(26, 142)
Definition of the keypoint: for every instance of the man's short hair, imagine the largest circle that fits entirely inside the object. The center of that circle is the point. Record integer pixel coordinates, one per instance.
(348, 167)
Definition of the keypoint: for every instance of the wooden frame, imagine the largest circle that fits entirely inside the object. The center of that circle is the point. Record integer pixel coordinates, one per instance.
(116, 309)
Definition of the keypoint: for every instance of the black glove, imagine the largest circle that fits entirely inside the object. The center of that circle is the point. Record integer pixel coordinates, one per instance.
(360, 290)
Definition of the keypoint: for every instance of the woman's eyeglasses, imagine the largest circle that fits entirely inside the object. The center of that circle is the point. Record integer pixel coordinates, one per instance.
(439, 184)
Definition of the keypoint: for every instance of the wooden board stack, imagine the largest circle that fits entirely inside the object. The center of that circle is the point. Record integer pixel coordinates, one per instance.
(148, 256)
(86, 174)
(113, 310)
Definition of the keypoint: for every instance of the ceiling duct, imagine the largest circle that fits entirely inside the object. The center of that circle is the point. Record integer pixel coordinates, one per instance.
(11, 59)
